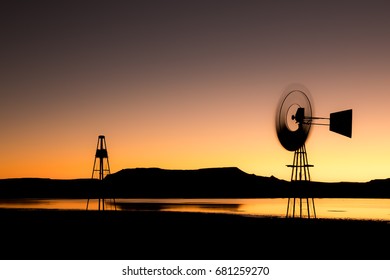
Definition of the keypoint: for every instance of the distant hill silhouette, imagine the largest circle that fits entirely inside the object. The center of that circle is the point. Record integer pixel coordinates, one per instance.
(220, 182)
(207, 182)
(48, 188)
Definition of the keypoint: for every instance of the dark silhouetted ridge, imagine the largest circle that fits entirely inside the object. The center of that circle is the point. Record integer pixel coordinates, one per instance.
(219, 182)
(47, 188)
(206, 182)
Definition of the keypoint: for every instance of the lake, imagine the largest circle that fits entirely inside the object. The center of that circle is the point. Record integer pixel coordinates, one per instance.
(335, 208)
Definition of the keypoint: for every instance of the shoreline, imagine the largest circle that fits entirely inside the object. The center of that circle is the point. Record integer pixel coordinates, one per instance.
(132, 235)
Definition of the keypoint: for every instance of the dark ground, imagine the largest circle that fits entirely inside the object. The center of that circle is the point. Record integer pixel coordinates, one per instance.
(114, 235)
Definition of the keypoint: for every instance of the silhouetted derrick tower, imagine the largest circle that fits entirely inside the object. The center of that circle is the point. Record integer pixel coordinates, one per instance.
(293, 121)
(300, 174)
(101, 168)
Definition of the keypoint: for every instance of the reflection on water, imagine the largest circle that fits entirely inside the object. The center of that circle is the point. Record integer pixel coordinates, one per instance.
(367, 209)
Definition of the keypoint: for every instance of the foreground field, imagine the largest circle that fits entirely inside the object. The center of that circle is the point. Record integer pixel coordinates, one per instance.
(75, 235)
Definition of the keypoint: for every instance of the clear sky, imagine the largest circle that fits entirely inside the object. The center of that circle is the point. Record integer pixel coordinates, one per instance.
(190, 84)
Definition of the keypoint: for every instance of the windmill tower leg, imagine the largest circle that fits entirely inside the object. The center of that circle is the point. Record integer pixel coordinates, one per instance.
(101, 168)
(300, 206)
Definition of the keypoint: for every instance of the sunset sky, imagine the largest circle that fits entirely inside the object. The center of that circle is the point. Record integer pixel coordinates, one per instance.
(191, 84)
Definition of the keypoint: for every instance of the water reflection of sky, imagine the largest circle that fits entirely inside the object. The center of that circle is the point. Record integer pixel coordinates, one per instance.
(367, 209)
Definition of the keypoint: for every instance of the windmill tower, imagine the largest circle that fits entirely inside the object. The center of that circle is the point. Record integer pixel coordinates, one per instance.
(300, 174)
(101, 168)
(293, 121)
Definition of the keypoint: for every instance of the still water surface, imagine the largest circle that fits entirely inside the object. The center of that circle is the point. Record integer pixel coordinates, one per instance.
(336, 208)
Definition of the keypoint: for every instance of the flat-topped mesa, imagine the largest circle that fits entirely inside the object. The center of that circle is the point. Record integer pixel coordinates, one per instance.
(154, 171)
(204, 176)
(205, 182)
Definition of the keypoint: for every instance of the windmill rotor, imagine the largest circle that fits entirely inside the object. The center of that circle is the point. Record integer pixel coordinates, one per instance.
(293, 118)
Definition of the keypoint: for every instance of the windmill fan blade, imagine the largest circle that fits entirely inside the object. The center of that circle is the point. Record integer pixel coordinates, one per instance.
(341, 122)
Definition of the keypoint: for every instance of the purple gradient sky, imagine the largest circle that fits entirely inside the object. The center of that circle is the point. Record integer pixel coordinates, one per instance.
(190, 84)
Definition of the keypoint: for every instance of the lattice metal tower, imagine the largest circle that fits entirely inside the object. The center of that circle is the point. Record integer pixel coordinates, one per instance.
(101, 168)
(302, 207)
